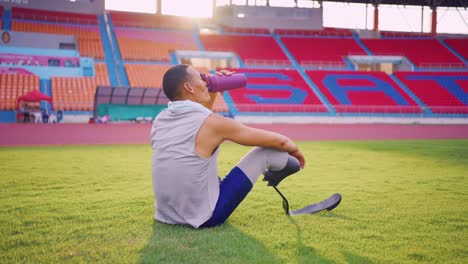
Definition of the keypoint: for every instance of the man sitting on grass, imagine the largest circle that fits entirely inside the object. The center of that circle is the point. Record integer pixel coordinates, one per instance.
(185, 139)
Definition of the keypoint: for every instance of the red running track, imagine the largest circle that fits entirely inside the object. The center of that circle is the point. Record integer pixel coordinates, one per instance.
(110, 134)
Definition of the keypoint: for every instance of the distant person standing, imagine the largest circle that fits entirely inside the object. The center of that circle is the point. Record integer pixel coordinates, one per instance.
(25, 111)
(52, 118)
(59, 116)
(45, 116)
(37, 117)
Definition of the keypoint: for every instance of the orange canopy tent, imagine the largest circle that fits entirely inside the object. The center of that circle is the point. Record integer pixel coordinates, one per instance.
(33, 96)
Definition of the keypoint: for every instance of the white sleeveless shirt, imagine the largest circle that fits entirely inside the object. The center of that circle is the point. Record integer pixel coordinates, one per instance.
(186, 186)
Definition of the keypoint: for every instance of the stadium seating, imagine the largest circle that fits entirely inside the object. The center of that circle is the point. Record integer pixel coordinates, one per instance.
(77, 93)
(88, 37)
(143, 50)
(275, 91)
(424, 53)
(363, 92)
(152, 45)
(146, 40)
(14, 85)
(53, 16)
(441, 92)
(253, 50)
(459, 45)
(322, 52)
(145, 75)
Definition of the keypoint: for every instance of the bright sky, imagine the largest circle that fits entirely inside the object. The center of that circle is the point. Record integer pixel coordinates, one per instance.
(341, 15)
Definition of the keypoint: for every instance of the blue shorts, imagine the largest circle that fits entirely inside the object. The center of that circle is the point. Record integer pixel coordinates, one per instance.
(232, 190)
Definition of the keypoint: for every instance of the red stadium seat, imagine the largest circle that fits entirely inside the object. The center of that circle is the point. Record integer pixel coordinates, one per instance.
(260, 50)
(460, 45)
(442, 92)
(424, 53)
(322, 52)
(152, 45)
(88, 37)
(275, 91)
(77, 93)
(363, 92)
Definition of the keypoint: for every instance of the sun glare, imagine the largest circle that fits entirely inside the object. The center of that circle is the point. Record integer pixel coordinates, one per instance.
(143, 6)
(341, 15)
(193, 8)
(199, 8)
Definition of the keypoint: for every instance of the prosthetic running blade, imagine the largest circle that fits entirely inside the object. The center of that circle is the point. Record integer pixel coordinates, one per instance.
(328, 204)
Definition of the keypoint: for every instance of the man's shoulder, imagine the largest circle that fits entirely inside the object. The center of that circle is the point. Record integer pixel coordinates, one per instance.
(219, 122)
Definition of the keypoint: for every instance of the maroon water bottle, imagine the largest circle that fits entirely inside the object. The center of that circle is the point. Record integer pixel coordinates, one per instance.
(219, 83)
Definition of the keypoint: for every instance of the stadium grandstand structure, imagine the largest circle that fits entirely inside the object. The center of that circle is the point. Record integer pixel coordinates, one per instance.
(304, 72)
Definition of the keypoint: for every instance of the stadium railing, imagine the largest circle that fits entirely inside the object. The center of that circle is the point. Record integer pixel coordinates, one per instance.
(442, 66)
(266, 62)
(53, 16)
(322, 64)
(340, 109)
(320, 32)
(281, 108)
(246, 30)
(395, 34)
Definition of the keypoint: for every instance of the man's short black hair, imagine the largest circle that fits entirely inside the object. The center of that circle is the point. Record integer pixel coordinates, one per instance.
(172, 80)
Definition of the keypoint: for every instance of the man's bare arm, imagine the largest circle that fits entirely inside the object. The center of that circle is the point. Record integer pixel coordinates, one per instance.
(218, 129)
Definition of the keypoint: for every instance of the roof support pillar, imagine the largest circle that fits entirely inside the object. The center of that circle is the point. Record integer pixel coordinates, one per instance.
(158, 7)
(434, 18)
(376, 15)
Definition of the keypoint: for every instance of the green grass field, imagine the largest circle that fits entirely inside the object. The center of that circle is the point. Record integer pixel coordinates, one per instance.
(403, 202)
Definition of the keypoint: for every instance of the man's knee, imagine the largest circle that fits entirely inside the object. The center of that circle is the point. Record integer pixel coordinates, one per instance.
(259, 160)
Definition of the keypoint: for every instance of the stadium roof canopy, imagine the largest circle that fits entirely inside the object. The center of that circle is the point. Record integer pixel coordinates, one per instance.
(442, 3)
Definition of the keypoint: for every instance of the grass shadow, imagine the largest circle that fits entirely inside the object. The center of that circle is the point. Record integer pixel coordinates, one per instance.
(306, 254)
(352, 258)
(334, 215)
(183, 244)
